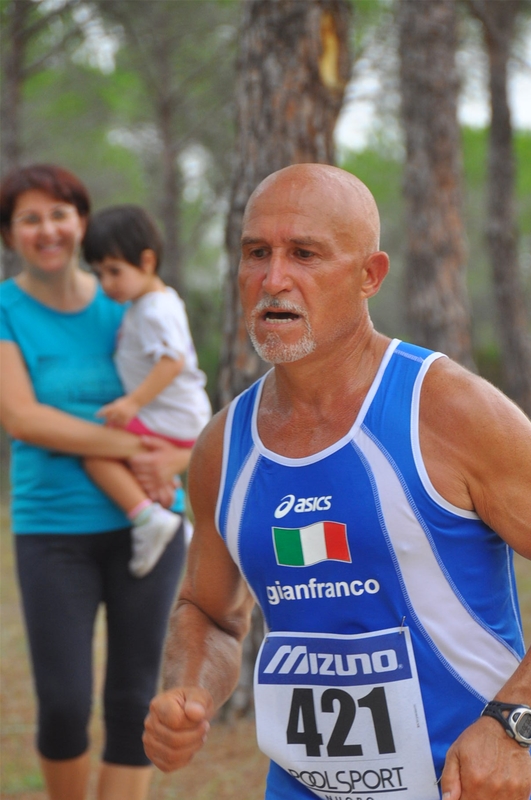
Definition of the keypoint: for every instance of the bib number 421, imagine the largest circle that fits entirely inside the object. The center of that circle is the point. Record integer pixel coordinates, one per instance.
(302, 723)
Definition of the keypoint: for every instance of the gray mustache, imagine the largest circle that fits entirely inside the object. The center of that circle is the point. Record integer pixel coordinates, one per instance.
(280, 304)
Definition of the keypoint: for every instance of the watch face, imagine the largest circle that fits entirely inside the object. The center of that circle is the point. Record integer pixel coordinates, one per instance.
(523, 725)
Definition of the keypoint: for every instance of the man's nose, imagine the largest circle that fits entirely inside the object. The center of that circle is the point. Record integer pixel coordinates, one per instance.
(277, 276)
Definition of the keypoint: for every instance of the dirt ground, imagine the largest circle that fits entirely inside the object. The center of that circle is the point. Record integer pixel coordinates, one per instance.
(230, 767)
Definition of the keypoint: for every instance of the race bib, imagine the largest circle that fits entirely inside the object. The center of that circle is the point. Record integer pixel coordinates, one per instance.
(344, 714)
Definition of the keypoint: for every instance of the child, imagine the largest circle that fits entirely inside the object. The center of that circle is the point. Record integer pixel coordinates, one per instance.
(157, 364)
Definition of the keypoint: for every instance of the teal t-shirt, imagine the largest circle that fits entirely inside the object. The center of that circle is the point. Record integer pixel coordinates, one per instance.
(69, 357)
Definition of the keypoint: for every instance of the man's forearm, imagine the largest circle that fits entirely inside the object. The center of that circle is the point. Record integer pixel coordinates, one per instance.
(518, 687)
(199, 653)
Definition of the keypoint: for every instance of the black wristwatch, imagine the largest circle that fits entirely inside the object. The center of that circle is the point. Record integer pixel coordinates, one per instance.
(516, 720)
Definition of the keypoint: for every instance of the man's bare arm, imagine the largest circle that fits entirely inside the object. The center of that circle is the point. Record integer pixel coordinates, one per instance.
(207, 626)
(484, 763)
(476, 446)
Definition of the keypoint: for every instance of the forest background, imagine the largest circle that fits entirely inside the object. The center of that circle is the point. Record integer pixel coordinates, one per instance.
(143, 100)
(138, 99)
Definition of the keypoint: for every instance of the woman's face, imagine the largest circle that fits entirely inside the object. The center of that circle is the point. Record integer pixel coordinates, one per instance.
(46, 232)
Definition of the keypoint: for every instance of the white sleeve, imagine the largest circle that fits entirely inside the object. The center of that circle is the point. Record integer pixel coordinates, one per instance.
(161, 332)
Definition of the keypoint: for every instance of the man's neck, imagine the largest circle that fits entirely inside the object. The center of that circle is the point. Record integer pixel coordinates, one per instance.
(306, 406)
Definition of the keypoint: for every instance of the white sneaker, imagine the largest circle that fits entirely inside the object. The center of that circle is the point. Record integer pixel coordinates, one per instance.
(151, 538)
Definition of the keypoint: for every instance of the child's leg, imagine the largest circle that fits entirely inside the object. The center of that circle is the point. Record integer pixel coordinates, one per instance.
(153, 527)
(117, 481)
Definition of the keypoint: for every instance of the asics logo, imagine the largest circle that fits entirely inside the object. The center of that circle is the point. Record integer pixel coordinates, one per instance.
(301, 504)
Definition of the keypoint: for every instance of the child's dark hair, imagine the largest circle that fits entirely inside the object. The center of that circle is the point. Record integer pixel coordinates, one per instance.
(121, 232)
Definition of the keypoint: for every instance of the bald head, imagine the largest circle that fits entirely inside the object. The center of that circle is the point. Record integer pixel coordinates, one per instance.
(338, 194)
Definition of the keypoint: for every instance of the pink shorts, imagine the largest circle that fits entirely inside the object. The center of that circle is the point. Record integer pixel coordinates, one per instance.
(138, 427)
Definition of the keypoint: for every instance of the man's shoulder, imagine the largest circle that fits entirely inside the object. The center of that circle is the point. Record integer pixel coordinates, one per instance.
(448, 383)
(464, 404)
(207, 457)
(210, 440)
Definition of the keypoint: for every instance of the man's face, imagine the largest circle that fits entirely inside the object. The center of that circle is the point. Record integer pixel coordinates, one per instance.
(300, 271)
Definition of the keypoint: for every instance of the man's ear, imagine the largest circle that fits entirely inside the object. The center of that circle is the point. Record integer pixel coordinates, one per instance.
(148, 261)
(375, 269)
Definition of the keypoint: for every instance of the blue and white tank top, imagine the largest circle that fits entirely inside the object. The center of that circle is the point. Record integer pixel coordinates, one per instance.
(370, 582)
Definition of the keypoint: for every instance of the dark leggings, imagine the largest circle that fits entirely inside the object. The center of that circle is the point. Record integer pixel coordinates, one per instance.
(63, 579)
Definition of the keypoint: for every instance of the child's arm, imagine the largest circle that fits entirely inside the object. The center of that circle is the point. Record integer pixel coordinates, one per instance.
(119, 413)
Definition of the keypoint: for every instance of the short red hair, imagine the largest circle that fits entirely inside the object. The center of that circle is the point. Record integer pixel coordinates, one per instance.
(59, 183)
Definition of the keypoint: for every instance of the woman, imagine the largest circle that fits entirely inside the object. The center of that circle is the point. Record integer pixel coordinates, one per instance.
(57, 332)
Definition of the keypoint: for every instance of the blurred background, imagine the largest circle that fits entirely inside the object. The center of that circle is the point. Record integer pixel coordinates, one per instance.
(183, 106)
(158, 102)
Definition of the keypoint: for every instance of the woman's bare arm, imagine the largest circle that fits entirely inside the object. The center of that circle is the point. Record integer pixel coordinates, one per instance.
(26, 419)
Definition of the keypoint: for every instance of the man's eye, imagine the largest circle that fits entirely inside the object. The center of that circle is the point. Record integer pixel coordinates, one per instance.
(304, 253)
(259, 252)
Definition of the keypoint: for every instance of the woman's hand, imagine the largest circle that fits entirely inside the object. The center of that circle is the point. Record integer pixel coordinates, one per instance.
(157, 468)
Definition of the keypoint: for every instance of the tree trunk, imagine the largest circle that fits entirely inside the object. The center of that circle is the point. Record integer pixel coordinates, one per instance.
(21, 26)
(293, 67)
(436, 296)
(13, 57)
(149, 29)
(170, 201)
(13, 45)
(498, 20)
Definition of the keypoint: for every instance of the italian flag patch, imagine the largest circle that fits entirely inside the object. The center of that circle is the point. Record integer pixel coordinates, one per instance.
(301, 547)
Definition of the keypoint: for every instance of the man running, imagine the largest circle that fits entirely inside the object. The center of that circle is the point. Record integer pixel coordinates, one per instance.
(367, 493)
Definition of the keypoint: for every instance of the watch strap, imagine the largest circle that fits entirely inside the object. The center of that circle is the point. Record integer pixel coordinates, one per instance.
(496, 709)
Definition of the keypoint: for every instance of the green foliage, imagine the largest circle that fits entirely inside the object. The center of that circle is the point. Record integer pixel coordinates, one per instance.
(182, 54)
(204, 313)
(123, 93)
(68, 116)
(380, 167)
(102, 126)
(474, 142)
(381, 170)
(475, 146)
(522, 146)
(368, 15)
